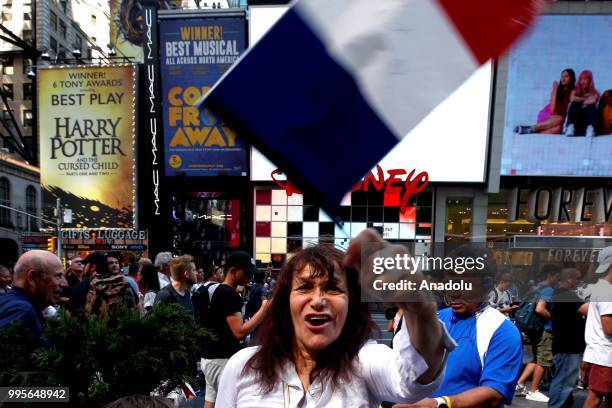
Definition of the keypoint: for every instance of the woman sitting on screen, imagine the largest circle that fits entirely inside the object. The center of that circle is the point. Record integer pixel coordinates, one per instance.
(582, 114)
(552, 116)
(316, 351)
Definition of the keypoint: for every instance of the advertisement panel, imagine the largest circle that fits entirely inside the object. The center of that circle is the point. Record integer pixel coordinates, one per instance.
(126, 28)
(87, 134)
(558, 119)
(195, 53)
(450, 144)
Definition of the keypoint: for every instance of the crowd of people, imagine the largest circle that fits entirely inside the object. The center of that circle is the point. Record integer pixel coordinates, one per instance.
(309, 336)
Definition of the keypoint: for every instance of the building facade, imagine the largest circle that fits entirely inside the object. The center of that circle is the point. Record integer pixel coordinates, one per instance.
(19, 190)
(67, 32)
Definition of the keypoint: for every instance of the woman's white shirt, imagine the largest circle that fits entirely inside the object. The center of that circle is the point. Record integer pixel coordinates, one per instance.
(384, 374)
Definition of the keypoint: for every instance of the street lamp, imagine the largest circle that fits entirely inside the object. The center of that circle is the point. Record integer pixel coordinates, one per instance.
(31, 74)
(45, 56)
(76, 53)
(111, 50)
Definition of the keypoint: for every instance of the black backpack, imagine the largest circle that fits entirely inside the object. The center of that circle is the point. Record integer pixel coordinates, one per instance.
(526, 318)
(202, 299)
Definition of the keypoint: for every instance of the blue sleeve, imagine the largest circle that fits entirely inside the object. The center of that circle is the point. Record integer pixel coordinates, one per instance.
(502, 363)
(28, 317)
(546, 294)
(444, 315)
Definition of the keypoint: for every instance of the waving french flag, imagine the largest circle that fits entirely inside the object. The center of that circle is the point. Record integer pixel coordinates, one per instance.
(335, 84)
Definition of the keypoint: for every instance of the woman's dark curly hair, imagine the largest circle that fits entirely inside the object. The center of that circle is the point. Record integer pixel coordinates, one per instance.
(335, 362)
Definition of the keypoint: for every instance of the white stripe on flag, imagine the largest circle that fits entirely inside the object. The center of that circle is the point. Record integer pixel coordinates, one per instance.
(405, 54)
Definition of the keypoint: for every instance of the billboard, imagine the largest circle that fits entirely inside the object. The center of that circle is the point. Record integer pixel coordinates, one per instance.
(86, 128)
(558, 118)
(127, 28)
(450, 144)
(194, 54)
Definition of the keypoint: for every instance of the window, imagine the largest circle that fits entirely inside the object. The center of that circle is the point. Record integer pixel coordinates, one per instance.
(5, 199)
(28, 118)
(53, 20)
(8, 90)
(27, 16)
(93, 19)
(7, 65)
(27, 91)
(6, 118)
(53, 45)
(78, 43)
(6, 15)
(27, 36)
(62, 29)
(27, 63)
(31, 208)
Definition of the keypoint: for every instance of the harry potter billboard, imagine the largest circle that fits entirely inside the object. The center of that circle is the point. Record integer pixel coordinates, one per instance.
(86, 128)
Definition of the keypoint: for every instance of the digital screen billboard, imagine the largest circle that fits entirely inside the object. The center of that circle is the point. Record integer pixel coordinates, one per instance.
(450, 144)
(86, 128)
(558, 118)
(194, 54)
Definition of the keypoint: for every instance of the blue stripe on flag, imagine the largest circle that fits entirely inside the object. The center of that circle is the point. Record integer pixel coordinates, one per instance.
(304, 111)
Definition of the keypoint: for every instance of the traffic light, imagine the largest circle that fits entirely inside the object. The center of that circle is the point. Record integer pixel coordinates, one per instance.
(52, 244)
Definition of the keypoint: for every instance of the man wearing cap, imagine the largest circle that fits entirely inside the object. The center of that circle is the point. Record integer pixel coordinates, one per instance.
(94, 264)
(598, 333)
(226, 322)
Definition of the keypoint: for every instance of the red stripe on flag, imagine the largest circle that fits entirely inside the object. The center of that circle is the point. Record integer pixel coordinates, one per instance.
(490, 26)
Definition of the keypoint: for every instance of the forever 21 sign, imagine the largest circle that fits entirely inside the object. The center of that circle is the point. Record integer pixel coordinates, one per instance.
(561, 204)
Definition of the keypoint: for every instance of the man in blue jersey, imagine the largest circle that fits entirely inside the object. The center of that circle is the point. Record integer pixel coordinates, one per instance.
(483, 370)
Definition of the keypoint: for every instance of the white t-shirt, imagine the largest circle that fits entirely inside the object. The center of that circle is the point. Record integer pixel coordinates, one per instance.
(163, 280)
(598, 345)
(384, 374)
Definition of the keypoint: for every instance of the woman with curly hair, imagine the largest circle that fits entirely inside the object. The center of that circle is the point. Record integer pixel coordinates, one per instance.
(316, 349)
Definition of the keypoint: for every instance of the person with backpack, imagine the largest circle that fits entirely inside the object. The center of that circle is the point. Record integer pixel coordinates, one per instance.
(533, 318)
(94, 264)
(219, 309)
(111, 292)
(499, 297)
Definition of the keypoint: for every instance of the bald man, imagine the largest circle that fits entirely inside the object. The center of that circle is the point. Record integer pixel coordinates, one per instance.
(37, 283)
